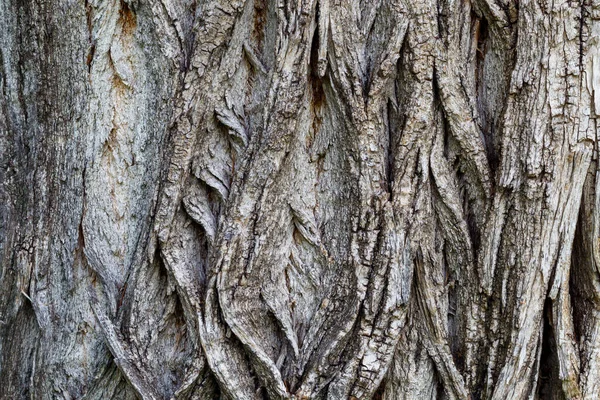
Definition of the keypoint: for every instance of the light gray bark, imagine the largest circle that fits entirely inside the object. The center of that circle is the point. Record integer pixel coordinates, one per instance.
(311, 199)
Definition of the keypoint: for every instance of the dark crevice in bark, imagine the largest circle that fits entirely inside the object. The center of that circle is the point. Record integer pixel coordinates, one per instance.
(583, 36)
(447, 138)
(23, 15)
(486, 121)
(584, 277)
(79, 251)
(456, 339)
(189, 38)
(442, 19)
(316, 84)
(389, 154)
(371, 50)
(481, 38)
(474, 229)
(380, 392)
(395, 118)
(92, 43)
(441, 392)
(367, 79)
(581, 304)
(259, 22)
(549, 387)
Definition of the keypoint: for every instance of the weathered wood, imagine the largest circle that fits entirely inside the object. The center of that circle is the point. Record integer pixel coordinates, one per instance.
(312, 199)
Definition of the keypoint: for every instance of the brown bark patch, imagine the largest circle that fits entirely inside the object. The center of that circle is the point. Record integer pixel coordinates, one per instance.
(127, 18)
(260, 20)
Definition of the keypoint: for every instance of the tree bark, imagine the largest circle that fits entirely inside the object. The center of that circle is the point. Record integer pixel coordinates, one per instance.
(311, 199)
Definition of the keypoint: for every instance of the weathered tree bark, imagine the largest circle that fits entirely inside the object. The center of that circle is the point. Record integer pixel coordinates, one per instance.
(309, 199)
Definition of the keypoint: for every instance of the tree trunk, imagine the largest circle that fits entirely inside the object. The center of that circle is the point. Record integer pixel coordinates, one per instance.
(310, 199)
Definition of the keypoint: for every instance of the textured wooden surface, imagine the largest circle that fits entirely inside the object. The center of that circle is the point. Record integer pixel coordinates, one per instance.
(309, 199)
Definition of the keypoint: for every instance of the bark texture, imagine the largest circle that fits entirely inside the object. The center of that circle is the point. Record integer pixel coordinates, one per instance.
(299, 199)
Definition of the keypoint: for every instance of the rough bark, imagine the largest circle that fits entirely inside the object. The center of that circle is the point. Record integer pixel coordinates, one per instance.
(311, 199)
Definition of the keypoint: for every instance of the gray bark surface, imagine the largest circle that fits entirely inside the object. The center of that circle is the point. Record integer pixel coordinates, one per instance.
(308, 199)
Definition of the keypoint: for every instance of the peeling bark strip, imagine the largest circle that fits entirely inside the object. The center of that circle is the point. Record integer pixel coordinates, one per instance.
(310, 199)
